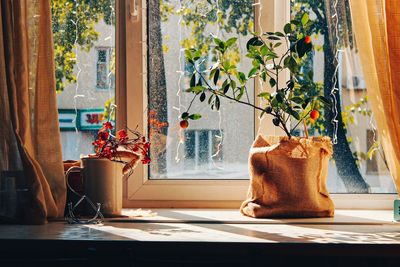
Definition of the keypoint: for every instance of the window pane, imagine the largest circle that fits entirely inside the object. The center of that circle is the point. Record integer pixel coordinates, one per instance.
(358, 164)
(217, 145)
(84, 41)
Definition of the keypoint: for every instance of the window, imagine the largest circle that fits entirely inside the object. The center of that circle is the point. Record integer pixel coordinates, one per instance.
(177, 26)
(84, 41)
(105, 76)
(205, 165)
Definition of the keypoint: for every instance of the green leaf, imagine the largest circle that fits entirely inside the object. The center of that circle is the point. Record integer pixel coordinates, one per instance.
(241, 77)
(231, 41)
(216, 76)
(196, 89)
(233, 85)
(325, 100)
(279, 34)
(217, 102)
(310, 75)
(255, 41)
(302, 47)
(287, 28)
(185, 116)
(252, 72)
(274, 38)
(290, 84)
(264, 76)
(293, 113)
(265, 95)
(217, 41)
(304, 18)
(264, 50)
(227, 65)
(241, 92)
(210, 99)
(297, 99)
(280, 96)
(193, 80)
(202, 97)
(272, 82)
(292, 65)
(225, 87)
(195, 116)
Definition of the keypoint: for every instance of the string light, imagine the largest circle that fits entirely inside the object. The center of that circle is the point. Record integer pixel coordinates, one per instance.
(334, 89)
(260, 81)
(219, 136)
(179, 91)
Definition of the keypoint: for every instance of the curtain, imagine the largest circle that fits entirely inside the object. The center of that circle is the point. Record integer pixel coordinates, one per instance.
(377, 28)
(32, 186)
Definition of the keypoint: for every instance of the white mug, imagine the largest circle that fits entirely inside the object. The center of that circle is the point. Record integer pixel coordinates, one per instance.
(102, 183)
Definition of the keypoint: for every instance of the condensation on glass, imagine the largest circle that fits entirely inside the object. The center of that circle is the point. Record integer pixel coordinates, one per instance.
(84, 33)
(217, 145)
(358, 164)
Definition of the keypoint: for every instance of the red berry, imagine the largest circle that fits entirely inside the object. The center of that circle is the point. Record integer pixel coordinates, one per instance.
(314, 114)
(184, 124)
(307, 39)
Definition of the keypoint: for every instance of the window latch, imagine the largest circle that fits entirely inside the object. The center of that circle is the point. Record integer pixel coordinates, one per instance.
(133, 9)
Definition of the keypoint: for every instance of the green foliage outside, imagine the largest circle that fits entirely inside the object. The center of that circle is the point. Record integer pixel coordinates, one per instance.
(74, 28)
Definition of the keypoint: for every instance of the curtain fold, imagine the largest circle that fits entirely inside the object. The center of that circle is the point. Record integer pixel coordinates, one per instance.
(32, 186)
(376, 26)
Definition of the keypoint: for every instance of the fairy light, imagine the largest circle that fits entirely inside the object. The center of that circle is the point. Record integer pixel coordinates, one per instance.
(219, 136)
(111, 52)
(79, 70)
(260, 81)
(334, 89)
(181, 137)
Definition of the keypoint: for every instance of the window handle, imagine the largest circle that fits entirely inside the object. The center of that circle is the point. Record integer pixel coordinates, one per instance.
(133, 9)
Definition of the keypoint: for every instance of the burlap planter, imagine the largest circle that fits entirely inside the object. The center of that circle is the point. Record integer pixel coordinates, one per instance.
(288, 178)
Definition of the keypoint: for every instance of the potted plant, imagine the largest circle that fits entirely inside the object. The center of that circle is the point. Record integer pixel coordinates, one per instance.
(116, 156)
(288, 173)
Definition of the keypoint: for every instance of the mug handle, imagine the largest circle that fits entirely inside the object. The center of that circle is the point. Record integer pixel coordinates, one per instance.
(69, 171)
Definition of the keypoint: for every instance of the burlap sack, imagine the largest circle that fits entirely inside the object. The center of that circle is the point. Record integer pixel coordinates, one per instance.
(288, 178)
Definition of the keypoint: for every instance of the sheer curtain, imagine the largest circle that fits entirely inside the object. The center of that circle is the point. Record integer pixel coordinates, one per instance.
(377, 29)
(32, 187)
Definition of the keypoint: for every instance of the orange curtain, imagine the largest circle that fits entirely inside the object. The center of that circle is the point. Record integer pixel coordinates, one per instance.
(376, 25)
(32, 186)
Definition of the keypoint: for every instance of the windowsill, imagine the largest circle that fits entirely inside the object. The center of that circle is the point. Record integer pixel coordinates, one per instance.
(188, 231)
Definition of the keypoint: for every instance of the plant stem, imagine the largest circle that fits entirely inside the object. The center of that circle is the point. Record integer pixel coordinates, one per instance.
(226, 96)
(294, 128)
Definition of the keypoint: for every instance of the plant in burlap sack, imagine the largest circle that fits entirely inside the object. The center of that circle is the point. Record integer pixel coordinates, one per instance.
(288, 174)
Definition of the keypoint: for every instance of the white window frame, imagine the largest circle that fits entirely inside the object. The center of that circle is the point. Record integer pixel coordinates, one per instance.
(131, 96)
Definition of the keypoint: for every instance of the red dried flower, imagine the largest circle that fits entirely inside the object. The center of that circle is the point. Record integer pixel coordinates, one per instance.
(103, 135)
(108, 125)
(106, 145)
(122, 134)
(146, 160)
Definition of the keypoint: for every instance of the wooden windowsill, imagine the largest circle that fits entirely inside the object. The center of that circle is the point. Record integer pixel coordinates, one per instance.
(217, 234)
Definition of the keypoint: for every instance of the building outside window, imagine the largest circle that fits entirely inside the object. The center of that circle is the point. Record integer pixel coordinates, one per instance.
(104, 74)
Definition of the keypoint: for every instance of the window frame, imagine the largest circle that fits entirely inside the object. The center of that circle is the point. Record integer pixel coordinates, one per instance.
(131, 96)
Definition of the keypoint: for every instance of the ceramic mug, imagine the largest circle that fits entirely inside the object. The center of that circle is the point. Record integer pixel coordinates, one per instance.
(102, 183)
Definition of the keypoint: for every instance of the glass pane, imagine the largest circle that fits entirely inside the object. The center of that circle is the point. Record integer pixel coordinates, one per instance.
(84, 41)
(215, 146)
(358, 164)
